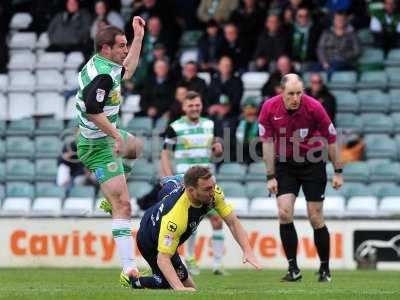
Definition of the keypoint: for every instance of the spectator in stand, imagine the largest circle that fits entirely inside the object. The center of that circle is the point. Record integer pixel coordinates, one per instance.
(219, 11)
(154, 35)
(234, 47)
(175, 110)
(304, 39)
(224, 96)
(385, 26)
(105, 15)
(166, 14)
(186, 14)
(225, 91)
(287, 18)
(209, 46)
(294, 5)
(272, 86)
(338, 47)
(145, 69)
(69, 30)
(320, 91)
(272, 43)
(191, 80)
(249, 19)
(247, 132)
(158, 92)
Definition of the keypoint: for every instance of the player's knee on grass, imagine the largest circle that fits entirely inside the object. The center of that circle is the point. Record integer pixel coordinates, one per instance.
(182, 273)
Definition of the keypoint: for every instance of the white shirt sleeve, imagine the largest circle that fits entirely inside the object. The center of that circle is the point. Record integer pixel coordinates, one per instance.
(375, 25)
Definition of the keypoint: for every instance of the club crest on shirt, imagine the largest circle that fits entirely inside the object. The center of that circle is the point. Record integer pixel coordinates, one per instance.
(303, 132)
(332, 129)
(171, 226)
(112, 166)
(261, 129)
(100, 94)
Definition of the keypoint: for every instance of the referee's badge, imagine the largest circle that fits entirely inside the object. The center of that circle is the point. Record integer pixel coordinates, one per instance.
(303, 132)
(100, 94)
(332, 129)
(261, 129)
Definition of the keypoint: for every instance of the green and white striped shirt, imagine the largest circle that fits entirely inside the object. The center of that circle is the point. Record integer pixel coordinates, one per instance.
(192, 142)
(98, 65)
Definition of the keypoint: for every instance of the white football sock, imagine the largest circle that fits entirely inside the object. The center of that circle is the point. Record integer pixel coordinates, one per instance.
(218, 247)
(122, 234)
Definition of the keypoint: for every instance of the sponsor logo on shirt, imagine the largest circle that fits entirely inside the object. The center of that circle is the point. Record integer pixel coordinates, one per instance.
(100, 94)
(115, 97)
(277, 118)
(171, 226)
(168, 238)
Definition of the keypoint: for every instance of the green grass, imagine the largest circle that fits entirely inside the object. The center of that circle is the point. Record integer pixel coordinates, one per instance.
(75, 284)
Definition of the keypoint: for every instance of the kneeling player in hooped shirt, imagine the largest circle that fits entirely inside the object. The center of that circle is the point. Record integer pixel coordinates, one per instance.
(296, 131)
(170, 222)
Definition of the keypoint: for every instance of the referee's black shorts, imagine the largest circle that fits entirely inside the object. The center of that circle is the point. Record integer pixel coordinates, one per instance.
(310, 176)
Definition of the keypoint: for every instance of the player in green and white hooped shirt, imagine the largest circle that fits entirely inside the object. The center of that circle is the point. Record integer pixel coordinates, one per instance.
(101, 146)
(191, 138)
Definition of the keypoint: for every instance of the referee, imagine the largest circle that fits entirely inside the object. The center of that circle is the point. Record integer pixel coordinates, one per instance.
(296, 132)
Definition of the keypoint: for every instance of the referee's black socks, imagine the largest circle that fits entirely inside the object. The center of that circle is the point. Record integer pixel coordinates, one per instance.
(322, 243)
(289, 241)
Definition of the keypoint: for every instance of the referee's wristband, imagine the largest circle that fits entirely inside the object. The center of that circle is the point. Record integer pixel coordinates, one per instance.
(339, 171)
(270, 176)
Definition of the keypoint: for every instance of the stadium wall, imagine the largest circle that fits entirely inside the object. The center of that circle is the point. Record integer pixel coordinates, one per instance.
(88, 243)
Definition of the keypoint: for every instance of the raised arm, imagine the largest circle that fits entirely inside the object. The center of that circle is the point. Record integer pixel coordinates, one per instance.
(132, 59)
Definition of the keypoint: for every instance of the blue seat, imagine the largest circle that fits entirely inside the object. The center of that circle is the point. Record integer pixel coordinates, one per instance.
(374, 101)
(373, 80)
(349, 122)
(380, 146)
(377, 123)
(346, 101)
(356, 171)
(343, 80)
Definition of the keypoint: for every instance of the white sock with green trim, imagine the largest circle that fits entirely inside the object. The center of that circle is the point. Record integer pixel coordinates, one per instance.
(122, 234)
(218, 247)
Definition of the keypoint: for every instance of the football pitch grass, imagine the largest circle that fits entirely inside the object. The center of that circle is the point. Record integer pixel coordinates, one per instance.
(76, 284)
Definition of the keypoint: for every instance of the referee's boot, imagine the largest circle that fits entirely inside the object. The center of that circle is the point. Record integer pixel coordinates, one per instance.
(292, 275)
(324, 276)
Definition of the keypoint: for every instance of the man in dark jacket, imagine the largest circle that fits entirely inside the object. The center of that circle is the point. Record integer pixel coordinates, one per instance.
(304, 39)
(158, 92)
(191, 80)
(225, 91)
(69, 30)
(272, 43)
(319, 91)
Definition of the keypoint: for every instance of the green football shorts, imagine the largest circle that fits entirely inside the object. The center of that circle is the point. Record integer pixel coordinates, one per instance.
(98, 156)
